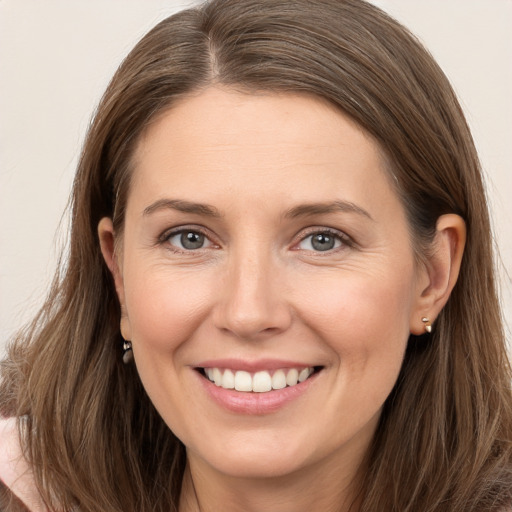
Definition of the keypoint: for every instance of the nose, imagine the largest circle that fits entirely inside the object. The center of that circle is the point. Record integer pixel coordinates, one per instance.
(252, 298)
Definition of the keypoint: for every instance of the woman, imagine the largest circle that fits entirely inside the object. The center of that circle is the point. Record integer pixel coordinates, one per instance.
(279, 294)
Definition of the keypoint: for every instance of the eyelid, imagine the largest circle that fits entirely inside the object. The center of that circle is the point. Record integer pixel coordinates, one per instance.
(171, 232)
(345, 239)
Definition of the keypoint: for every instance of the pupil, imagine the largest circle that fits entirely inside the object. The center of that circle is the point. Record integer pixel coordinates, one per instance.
(323, 242)
(191, 240)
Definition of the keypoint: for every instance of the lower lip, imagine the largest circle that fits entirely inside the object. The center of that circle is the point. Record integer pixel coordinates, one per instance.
(255, 403)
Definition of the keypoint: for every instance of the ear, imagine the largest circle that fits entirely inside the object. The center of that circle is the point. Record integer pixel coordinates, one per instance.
(440, 272)
(106, 235)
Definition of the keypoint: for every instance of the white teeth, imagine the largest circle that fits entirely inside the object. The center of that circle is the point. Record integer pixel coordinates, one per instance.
(217, 377)
(228, 380)
(278, 380)
(292, 377)
(304, 374)
(243, 381)
(259, 382)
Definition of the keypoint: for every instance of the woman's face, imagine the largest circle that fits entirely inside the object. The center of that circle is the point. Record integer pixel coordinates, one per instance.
(265, 245)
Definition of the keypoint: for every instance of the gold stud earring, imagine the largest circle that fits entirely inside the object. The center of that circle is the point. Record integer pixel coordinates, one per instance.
(427, 324)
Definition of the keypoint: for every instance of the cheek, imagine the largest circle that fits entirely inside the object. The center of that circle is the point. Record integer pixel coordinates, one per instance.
(365, 321)
(367, 330)
(165, 311)
(362, 303)
(164, 307)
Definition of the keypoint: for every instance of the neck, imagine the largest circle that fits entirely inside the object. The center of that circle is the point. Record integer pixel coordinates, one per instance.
(320, 489)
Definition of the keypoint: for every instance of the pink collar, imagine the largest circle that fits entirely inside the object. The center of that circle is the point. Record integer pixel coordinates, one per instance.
(15, 472)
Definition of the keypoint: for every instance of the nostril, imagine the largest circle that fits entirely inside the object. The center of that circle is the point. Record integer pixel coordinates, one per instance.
(256, 323)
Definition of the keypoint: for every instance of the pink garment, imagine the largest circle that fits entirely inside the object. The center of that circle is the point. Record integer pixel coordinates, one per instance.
(15, 472)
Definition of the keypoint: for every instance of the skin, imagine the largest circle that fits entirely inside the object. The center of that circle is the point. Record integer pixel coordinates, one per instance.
(259, 289)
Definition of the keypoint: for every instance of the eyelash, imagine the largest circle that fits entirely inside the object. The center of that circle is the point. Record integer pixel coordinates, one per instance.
(342, 238)
(167, 235)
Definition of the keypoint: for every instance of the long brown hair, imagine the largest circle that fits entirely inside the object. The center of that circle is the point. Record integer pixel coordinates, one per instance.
(444, 442)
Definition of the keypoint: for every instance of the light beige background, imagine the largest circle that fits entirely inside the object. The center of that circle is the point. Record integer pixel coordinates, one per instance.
(56, 58)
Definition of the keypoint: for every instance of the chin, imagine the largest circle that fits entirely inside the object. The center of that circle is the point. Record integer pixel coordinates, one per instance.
(260, 458)
(277, 467)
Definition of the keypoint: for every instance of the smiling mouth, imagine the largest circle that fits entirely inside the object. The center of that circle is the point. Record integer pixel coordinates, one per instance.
(258, 382)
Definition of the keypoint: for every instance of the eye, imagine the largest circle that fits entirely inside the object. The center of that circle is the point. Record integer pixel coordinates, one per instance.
(321, 241)
(188, 240)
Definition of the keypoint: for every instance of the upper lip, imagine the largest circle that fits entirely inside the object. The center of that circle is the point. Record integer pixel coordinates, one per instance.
(252, 366)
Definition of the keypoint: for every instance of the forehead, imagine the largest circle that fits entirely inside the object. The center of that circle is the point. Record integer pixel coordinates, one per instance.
(290, 145)
(218, 115)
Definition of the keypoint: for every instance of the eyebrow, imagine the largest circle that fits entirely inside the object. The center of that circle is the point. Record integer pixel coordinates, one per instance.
(323, 208)
(182, 206)
(302, 210)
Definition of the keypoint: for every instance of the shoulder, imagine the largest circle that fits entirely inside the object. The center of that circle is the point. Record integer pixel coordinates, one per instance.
(15, 472)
